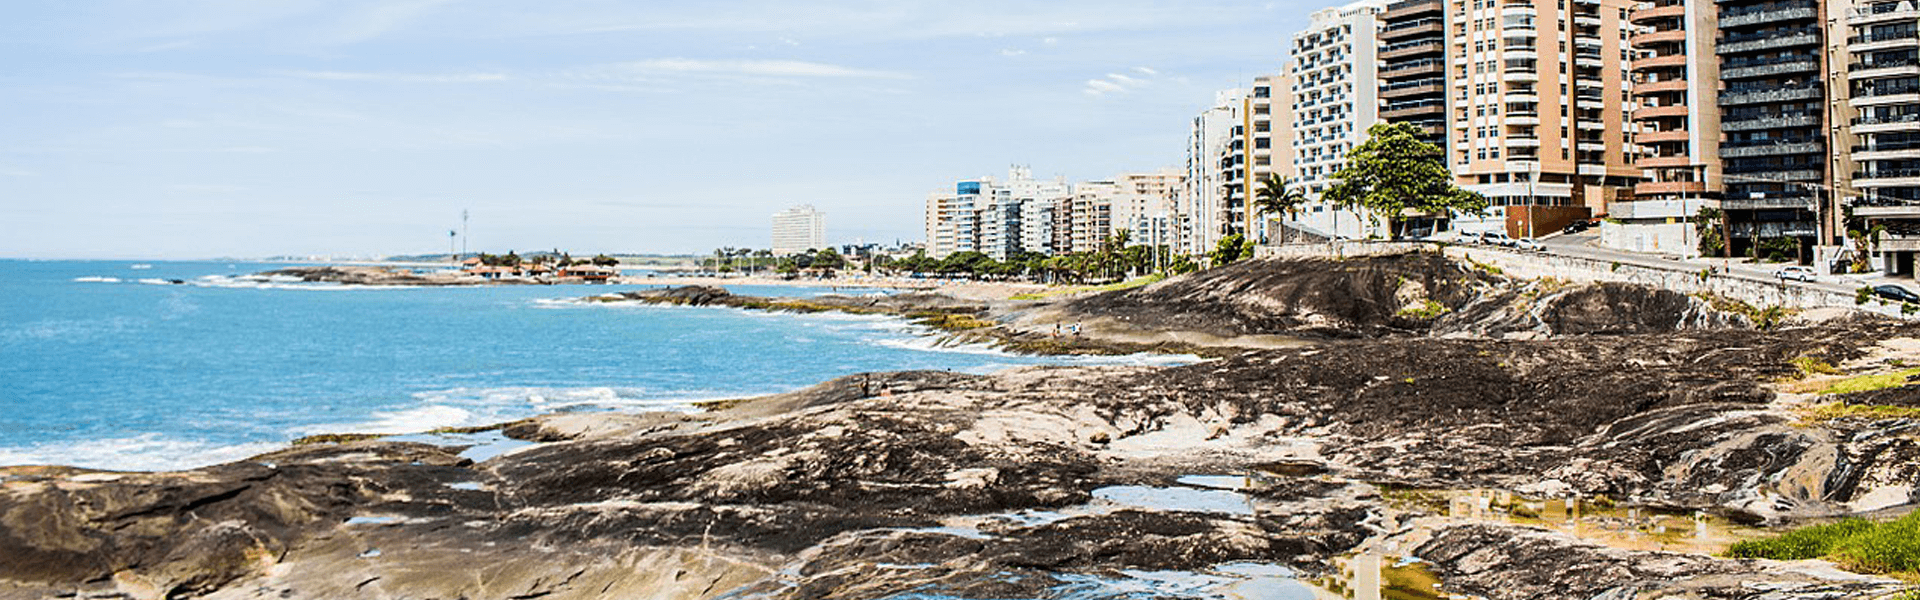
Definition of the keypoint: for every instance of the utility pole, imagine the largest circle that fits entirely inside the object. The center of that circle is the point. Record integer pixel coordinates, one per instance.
(464, 236)
(453, 258)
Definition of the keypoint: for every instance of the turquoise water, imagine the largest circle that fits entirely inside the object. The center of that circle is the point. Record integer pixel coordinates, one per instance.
(109, 366)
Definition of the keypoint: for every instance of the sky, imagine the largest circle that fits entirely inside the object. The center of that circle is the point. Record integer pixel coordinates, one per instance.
(250, 128)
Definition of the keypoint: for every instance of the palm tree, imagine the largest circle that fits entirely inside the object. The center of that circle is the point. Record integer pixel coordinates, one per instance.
(1277, 196)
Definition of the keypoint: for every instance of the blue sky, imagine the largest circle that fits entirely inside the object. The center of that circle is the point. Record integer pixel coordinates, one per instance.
(180, 129)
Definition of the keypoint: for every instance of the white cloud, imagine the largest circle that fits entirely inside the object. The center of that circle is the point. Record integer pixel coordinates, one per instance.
(397, 77)
(1010, 52)
(1121, 82)
(760, 68)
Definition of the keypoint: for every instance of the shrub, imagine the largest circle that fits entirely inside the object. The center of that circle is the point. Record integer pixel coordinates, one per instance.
(1801, 544)
(1855, 544)
(1862, 295)
(1886, 548)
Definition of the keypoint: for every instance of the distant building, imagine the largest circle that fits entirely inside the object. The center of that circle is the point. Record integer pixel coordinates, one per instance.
(799, 229)
(996, 218)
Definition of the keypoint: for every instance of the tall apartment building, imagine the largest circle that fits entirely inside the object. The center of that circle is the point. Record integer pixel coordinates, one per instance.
(1211, 204)
(1090, 219)
(996, 218)
(1143, 205)
(1539, 101)
(1884, 72)
(799, 229)
(1336, 95)
(1773, 106)
(1675, 77)
(1413, 67)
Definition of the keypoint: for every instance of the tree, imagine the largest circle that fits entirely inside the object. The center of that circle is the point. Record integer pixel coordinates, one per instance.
(1277, 197)
(605, 261)
(826, 258)
(1393, 173)
(1707, 226)
(1231, 249)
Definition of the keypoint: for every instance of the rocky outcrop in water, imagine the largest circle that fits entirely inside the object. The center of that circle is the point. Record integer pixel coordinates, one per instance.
(1054, 481)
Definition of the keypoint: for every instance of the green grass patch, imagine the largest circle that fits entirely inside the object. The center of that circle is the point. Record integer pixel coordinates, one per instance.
(952, 321)
(1868, 383)
(1078, 289)
(1813, 366)
(1837, 410)
(1428, 310)
(1857, 545)
(336, 438)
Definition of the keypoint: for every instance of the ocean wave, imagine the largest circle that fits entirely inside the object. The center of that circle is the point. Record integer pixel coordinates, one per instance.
(470, 407)
(146, 452)
(97, 279)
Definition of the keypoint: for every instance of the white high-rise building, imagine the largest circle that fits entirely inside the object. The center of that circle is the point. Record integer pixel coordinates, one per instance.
(1211, 202)
(1335, 98)
(999, 219)
(799, 229)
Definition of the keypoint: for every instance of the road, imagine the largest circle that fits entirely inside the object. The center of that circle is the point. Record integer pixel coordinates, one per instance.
(1586, 245)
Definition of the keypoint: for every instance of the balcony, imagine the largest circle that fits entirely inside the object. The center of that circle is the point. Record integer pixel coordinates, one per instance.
(1729, 150)
(1768, 13)
(1414, 68)
(1658, 37)
(1770, 70)
(1522, 119)
(1644, 207)
(1519, 76)
(1643, 15)
(1411, 88)
(1407, 49)
(1767, 203)
(1655, 137)
(1890, 151)
(1660, 62)
(1875, 41)
(1584, 60)
(1523, 96)
(1402, 10)
(1885, 92)
(1884, 178)
(1867, 15)
(1526, 141)
(1520, 53)
(1869, 124)
(1422, 27)
(1656, 87)
(1731, 123)
(1783, 94)
(1656, 112)
(1664, 162)
(1742, 44)
(1586, 21)
(1591, 146)
(1518, 10)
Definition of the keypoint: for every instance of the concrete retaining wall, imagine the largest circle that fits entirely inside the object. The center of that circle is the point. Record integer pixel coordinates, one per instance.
(1758, 291)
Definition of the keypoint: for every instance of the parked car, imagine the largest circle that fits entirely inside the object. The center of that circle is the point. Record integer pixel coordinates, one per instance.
(1896, 293)
(1495, 238)
(1529, 244)
(1577, 226)
(1795, 272)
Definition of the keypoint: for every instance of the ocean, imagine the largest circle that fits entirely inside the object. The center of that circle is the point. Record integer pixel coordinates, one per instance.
(109, 365)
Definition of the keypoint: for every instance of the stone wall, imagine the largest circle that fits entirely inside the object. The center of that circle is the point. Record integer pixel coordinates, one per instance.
(1758, 291)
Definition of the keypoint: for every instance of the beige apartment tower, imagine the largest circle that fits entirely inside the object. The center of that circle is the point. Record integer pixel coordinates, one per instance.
(1540, 94)
(1675, 81)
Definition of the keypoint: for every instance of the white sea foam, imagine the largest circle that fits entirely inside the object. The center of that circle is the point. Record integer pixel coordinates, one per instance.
(146, 452)
(97, 279)
(413, 420)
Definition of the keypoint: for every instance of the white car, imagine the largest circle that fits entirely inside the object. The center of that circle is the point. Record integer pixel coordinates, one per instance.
(1795, 272)
(1495, 238)
(1529, 244)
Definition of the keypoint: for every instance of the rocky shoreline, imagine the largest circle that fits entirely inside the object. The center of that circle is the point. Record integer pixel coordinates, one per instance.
(1509, 440)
